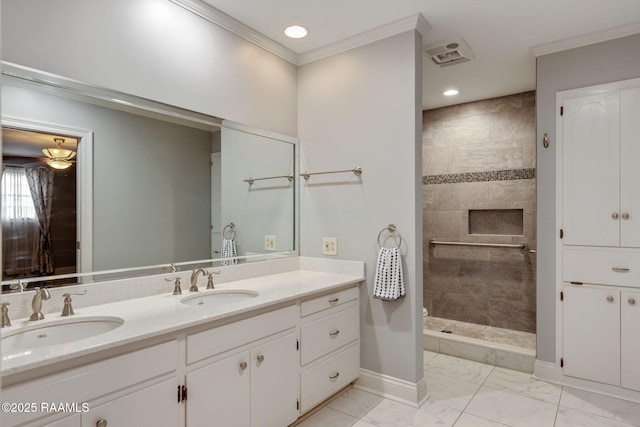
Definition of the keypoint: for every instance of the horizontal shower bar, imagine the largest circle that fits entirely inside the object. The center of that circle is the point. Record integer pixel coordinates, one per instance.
(357, 171)
(483, 245)
(252, 180)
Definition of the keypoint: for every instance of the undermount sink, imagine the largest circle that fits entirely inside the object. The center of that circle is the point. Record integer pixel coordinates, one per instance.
(59, 332)
(220, 297)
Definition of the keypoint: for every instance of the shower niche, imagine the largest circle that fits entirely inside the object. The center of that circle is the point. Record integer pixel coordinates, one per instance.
(502, 222)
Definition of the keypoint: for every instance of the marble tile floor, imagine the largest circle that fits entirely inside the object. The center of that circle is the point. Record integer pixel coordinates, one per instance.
(464, 393)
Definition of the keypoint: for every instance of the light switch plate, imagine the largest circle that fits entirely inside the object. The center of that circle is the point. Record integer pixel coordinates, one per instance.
(329, 246)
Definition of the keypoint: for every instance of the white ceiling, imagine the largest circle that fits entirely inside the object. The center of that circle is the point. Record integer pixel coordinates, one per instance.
(499, 32)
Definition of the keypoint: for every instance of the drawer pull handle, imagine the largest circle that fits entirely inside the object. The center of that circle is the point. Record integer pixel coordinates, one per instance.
(101, 423)
(243, 365)
(334, 300)
(260, 358)
(334, 376)
(632, 301)
(620, 269)
(334, 333)
(610, 298)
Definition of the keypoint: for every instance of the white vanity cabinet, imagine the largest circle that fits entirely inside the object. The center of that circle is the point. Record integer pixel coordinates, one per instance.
(245, 373)
(131, 389)
(600, 339)
(330, 345)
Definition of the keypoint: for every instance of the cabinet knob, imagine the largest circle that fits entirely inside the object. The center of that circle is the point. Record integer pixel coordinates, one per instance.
(625, 216)
(632, 301)
(243, 365)
(614, 215)
(610, 298)
(101, 423)
(260, 358)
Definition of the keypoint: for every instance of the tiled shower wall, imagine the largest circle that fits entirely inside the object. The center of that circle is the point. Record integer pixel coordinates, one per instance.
(476, 156)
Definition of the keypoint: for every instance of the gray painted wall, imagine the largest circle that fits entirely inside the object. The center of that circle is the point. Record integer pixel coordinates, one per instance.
(363, 108)
(585, 66)
(157, 50)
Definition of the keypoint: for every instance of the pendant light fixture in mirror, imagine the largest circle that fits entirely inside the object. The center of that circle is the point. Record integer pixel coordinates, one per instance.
(58, 157)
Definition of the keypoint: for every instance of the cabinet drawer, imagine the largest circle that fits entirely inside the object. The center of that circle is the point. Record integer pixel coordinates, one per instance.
(329, 333)
(328, 301)
(226, 337)
(321, 381)
(602, 266)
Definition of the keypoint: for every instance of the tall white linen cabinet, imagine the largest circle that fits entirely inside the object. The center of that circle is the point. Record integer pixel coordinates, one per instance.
(598, 221)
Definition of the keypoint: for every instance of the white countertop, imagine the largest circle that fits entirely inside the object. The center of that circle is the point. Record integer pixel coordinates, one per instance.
(157, 315)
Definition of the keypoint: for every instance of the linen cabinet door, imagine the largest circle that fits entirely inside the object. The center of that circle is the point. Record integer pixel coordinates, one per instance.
(591, 334)
(630, 337)
(219, 393)
(275, 382)
(591, 170)
(630, 173)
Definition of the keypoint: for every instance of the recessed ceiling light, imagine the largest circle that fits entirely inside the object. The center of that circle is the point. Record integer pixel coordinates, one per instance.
(450, 92)
(295, 31)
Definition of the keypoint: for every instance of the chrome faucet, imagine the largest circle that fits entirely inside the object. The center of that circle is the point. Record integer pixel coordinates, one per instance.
(210, 284)
(194, 278)
(67, 310)
(36, 303)
(5, 315)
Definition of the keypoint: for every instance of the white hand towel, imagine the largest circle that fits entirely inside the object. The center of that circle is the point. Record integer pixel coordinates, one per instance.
(229, 253)
(389, 283)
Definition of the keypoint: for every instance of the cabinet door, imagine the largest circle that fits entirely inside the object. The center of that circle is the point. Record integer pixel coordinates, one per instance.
(219, 393)
(275, 382)
(591, 170)
(630, 337)
(155, 405)
(630, 172)
(591, 334)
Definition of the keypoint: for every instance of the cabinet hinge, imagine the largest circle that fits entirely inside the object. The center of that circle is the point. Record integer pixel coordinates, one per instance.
(182, 393)
(78, 244)
(577, 283)
(561, 233)
(561, 362)
(561, 110)
(298, 404)
(561, 296)
(297, 344)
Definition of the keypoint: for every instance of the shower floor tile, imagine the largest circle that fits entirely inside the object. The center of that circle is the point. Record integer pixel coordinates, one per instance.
(519, 339)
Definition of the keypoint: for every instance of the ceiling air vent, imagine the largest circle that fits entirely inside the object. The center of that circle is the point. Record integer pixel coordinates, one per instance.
(449, 53)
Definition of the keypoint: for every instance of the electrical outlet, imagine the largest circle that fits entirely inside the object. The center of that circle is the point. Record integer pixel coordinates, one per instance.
(329, 246)
(270, 242)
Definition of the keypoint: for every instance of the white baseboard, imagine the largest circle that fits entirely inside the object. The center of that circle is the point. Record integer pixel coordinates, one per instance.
(545, 371)
(412, 394)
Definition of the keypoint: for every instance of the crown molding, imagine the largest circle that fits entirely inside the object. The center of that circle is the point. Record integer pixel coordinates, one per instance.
(223, 20)
(585, 39)
(413, 22)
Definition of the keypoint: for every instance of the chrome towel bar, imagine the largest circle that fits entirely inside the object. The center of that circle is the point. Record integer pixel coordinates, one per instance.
(483, 245)
(252, 180)
(357, 171)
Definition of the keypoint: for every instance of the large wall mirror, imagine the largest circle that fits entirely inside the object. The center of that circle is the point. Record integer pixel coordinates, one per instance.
(138, 185)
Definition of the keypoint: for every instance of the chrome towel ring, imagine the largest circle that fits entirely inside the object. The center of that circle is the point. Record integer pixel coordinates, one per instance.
(391, 228)
(231, 232)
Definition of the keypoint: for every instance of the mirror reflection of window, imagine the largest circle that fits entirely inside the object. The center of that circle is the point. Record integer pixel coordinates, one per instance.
(19, 224)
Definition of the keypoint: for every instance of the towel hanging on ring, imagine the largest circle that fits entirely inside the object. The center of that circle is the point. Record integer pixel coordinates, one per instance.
(389, 282)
